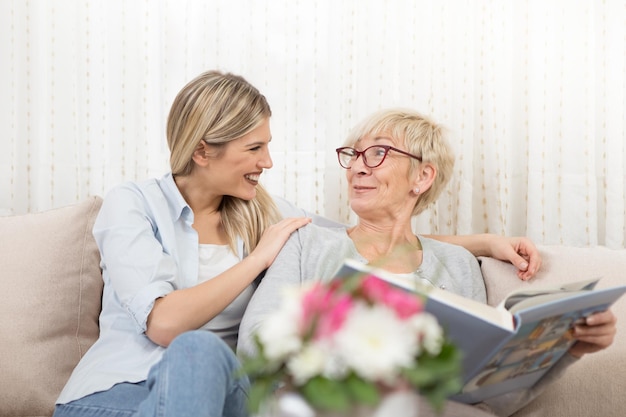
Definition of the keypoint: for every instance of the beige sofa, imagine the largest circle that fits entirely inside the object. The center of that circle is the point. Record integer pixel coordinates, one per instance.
(51, 288)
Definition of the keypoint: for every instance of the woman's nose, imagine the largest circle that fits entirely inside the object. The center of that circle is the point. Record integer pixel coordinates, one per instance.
(266, 161)
(358, 165)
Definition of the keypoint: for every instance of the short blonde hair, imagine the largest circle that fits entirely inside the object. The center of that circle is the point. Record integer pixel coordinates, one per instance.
(421, 136)
(217, 108)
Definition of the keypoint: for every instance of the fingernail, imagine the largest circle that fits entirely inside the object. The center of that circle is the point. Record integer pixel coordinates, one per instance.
(523, 265)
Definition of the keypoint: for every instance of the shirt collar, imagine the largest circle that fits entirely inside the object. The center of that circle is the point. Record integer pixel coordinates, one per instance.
(180, 209)
(175, 201)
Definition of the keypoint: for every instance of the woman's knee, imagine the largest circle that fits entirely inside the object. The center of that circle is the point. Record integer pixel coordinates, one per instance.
(199, 353)
(203, 345)
(200, 339)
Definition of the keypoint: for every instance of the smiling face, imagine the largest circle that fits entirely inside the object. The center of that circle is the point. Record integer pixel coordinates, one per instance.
(235, 167)
(397, 180)
(384, 191)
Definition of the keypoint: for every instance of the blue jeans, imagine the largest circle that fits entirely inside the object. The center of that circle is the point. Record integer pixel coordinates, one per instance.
(196, 377)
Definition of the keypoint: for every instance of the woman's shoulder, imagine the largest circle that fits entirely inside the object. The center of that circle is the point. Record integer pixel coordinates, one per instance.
(288, 209)
(148, 197)
(148, 186)
(131, 189)
(313, 231)
(146, 192)
(443, 249)
(313, 240)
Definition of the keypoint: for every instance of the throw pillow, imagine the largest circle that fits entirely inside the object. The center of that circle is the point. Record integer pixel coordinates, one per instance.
(52, 290)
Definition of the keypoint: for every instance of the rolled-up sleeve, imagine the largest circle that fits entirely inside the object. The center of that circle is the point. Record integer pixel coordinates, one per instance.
(141, 305)
(137, 263)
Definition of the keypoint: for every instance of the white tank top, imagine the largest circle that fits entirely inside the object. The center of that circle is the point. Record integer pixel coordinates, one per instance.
(215, 259)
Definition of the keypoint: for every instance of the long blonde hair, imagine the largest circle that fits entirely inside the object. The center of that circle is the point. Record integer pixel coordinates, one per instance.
(217, 108)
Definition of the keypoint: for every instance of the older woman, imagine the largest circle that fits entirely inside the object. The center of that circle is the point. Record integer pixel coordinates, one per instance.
(397, 163)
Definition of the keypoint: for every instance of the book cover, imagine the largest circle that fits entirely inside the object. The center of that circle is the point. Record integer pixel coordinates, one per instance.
(510, 346)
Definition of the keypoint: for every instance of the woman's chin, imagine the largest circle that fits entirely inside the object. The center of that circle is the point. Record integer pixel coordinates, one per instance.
(247, 195)
(358, 205)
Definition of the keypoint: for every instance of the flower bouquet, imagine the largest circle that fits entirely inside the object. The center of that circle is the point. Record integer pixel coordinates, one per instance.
(348, 343)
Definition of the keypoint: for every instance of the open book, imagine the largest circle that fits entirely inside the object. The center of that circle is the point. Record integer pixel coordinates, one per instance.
(510, 346)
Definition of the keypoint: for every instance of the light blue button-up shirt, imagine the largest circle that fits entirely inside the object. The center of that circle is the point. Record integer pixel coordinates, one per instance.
(149, 249)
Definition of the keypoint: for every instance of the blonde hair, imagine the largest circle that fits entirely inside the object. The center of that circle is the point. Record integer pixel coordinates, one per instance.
(421, 136)
(217, 108)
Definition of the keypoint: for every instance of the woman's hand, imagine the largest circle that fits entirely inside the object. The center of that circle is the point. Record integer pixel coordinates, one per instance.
(520, 251)
(274, 238)
(595, 334)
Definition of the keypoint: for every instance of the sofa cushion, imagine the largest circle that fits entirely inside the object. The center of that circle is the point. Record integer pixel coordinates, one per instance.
(594, 385)
(51, 296)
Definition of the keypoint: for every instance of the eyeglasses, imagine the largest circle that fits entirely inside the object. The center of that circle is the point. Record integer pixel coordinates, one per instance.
(372, 156)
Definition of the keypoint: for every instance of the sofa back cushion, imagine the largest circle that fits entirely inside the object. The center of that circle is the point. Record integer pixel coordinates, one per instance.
(594, 385)
(51, 297)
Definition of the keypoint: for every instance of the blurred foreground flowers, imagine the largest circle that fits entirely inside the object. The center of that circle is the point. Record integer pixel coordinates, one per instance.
(348, 343)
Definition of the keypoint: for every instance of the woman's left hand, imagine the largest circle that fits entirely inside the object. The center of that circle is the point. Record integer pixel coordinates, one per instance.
(595, 334)
(520, 251)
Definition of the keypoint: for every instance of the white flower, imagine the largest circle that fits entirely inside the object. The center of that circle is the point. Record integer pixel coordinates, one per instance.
(278, 332)
(376, 343)
(337, 331)
(431, 334)
(307, 363)
(335, 366)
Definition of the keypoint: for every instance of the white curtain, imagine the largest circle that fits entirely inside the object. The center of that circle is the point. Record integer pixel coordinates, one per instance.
(532, 91)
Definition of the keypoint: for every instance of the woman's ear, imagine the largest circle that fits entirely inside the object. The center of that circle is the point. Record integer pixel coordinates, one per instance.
(425, 177)
(201, 154)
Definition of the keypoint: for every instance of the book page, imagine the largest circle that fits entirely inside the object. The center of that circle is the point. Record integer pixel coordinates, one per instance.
(535, 296)
(496, 316)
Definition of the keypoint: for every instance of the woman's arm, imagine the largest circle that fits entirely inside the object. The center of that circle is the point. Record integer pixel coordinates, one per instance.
(520, 251)
(190, 308)
(147, 265)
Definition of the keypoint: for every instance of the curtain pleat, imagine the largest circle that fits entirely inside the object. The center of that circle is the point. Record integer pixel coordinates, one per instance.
(532, 93)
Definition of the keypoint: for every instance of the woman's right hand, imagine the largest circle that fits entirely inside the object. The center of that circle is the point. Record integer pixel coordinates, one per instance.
(274, 238)
(190, 308)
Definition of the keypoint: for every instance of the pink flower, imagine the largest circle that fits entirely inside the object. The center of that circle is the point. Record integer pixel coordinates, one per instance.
(403, 303)
(313, 301)
(333, 318)
(323, 310)
(374, 289)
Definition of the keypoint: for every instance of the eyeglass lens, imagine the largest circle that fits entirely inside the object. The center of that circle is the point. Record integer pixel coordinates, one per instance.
(372, 156)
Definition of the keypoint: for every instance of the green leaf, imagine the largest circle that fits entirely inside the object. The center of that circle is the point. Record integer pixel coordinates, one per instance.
(437, 377)
(260, 391)
(362, 391)
(326, 394)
